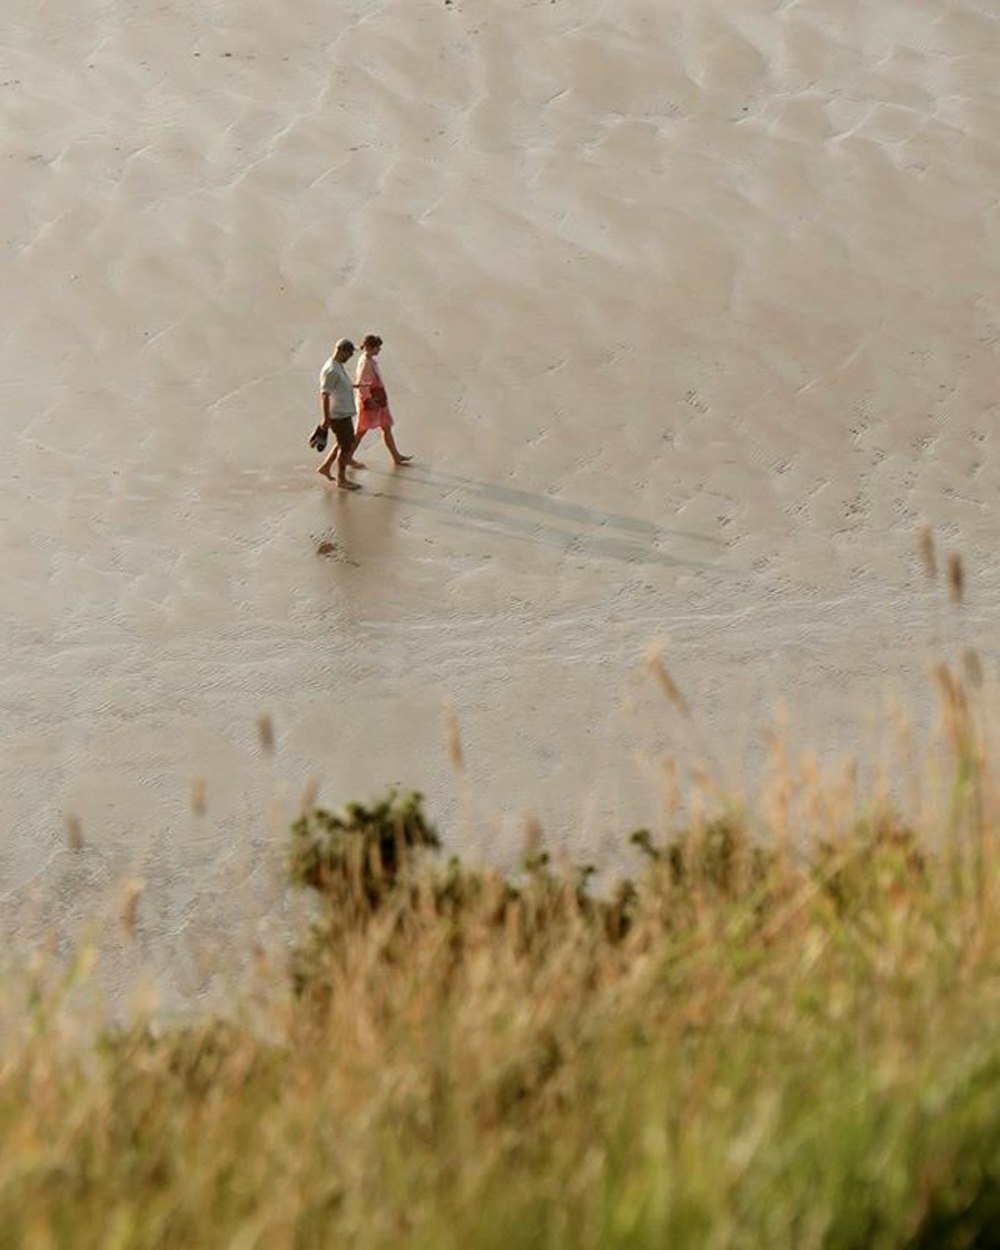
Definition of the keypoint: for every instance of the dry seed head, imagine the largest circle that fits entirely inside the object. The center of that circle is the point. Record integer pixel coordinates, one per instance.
(265, 733)
(534, 837)
(809, 768)
(955, 706)
(671, 788)
(74, 832)
(130, 905)
(199, 790)
(513, 922)
(701, 778)
(973, 667)
(309, 795)
(956, 578)
(945, 681)
(660, 673)
(375, 861)
(261, 963)
(144, 1000)
(87, 960)
(453, 740)
(925, 545)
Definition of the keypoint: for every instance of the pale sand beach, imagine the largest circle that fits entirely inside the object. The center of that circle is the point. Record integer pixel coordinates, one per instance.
(691, 315)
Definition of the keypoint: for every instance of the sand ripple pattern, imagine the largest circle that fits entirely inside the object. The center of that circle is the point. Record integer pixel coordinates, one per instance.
(692, 311)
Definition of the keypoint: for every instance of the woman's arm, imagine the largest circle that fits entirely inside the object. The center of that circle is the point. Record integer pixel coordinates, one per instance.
(364, 380)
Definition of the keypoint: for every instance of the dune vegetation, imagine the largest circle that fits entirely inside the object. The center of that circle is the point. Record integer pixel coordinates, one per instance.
(782, 1029)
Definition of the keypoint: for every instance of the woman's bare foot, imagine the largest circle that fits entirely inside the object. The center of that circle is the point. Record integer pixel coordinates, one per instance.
(356, 464)
(344, 484)
(390, 444)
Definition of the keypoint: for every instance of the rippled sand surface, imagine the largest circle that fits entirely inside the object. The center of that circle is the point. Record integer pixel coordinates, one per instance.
(691, 313)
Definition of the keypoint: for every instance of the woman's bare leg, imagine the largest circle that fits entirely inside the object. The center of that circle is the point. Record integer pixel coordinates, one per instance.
(356, 464)
(394, 451)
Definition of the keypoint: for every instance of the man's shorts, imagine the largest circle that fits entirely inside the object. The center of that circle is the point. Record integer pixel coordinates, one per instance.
(343, 432)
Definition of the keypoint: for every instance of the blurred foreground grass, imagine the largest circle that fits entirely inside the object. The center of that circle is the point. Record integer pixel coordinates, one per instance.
(775, 1034)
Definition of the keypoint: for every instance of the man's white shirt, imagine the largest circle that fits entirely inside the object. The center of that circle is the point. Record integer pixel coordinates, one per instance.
(335, 382)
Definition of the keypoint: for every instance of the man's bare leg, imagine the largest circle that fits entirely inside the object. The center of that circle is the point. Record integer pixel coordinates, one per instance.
(397, 455)
(343, 481)
(327, 465)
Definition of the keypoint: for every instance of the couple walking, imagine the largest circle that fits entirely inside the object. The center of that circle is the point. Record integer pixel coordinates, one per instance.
(336, 397)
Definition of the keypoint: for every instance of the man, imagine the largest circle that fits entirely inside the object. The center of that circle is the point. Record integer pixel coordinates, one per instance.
(336, 398)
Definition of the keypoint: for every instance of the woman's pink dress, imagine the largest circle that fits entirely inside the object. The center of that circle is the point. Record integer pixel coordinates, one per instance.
(368, 379)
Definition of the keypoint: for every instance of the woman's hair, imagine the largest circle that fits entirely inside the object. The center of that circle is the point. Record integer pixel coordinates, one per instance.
(370, 340)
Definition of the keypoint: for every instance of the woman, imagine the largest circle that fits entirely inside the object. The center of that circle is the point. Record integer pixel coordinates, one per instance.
(375, 414)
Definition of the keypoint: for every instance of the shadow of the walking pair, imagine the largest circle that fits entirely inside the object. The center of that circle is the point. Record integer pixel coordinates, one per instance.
(533, 517)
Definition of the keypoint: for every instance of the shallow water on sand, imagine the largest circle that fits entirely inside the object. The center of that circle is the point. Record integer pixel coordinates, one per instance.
(691, 314)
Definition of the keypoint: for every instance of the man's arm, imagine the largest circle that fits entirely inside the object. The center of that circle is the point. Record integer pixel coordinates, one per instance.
(324, 404)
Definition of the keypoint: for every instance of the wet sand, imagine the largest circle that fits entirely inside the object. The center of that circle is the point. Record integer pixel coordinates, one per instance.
(691, 314)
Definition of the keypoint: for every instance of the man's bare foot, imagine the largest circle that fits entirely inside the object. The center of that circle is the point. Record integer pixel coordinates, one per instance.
(403, 460)
(356, 464)
(344, 484)
(325, 472)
